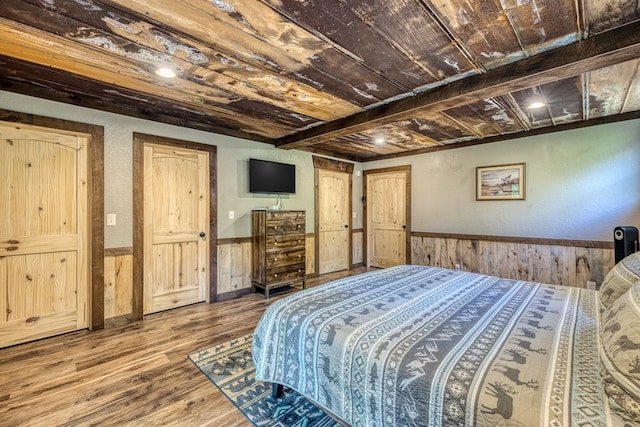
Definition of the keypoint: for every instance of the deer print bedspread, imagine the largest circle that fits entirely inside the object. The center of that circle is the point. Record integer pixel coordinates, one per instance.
(425, 346)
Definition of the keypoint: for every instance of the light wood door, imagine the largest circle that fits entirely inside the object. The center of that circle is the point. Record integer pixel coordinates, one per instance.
(176, 218)
(43, 233)
(333, 221)
(387, 218)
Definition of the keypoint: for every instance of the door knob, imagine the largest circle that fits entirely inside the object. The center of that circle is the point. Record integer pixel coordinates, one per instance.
(202, 234)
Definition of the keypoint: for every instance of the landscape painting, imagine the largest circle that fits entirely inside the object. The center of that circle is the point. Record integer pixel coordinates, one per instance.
(501, 182)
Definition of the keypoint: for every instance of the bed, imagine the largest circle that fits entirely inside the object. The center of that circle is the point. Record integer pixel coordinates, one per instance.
(425, 346)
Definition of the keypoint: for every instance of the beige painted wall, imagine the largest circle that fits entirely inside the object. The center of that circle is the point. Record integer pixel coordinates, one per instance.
(580, 184)
(233, 155)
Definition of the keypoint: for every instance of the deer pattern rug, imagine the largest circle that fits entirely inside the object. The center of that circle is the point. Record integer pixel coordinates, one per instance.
(230, 367)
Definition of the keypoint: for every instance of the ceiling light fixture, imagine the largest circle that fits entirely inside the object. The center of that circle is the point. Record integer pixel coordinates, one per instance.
(379, 140)
(536, 104)
(166, 72)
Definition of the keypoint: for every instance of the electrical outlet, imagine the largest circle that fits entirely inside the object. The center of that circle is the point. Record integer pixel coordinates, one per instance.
(591, 285)
(232, 214)
(457, 267)
(111, 219)
(353, 215)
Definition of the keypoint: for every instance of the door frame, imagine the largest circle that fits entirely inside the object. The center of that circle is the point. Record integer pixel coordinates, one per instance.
(335, 166)
(365, 219)
(139, 139)
(95, 203)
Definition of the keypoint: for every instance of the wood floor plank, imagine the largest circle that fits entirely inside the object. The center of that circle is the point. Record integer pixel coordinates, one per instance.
(132, 374)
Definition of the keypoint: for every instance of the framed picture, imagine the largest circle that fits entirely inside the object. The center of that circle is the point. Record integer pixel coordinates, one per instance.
(501, 182)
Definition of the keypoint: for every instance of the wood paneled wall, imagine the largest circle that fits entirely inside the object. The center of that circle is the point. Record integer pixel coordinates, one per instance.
(118, 282)
(310, 254)
(234, 273)
(558, 262)
(357, 248)
(234, 265)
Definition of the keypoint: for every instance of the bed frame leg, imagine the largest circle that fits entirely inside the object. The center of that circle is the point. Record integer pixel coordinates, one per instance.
(276, 391)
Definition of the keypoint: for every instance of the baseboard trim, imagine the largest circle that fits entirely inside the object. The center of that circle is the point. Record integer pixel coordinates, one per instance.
(233, 294)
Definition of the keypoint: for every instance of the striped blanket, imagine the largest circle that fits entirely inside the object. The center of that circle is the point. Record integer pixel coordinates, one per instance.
(425, 346)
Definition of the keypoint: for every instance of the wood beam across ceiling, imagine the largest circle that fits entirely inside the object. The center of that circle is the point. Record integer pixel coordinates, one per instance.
(602, 50)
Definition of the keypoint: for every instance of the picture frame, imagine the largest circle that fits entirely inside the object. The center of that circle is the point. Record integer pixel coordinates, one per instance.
(500, 182)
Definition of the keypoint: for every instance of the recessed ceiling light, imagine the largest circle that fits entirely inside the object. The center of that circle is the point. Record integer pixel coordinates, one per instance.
(166, 72)
(537, 104)
(379, 140)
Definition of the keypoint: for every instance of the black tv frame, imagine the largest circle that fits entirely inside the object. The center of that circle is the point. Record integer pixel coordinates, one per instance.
(269, 177)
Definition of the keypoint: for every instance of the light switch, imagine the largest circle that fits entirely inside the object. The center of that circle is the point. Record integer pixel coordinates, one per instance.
(353, 215)
(232, 214)
(111, 219)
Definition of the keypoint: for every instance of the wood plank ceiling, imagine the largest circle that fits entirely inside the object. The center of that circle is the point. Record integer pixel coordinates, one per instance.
(360, 80)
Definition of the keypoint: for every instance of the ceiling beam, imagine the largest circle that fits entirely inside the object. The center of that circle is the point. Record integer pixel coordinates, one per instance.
(602, 50)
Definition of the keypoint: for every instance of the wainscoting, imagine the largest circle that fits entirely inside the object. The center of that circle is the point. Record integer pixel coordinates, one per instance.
(118, 282)
(357, 248)
(234, 274)
(558, 262)
(234, 265)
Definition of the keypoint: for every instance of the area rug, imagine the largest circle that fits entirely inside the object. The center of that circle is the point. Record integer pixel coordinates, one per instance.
(230, 367)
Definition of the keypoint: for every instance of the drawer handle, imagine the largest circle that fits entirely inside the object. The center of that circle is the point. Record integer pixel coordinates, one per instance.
(275, 275)
(275, 227)
(275, 260)
(299, 271)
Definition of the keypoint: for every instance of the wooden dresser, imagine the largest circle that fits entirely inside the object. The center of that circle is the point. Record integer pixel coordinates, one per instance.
(278, 249)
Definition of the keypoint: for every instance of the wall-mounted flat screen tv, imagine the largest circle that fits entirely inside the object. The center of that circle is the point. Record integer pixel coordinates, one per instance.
(271, 177)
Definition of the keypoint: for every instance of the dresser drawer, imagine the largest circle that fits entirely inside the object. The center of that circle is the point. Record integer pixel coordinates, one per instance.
(279, 223)
(285, 215)
(285, 273)
(285, 258)
(281, 243)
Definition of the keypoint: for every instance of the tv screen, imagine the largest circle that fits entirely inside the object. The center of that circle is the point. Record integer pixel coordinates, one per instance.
(271, 177)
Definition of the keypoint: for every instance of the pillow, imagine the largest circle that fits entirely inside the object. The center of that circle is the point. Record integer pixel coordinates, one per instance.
(620, 354)
(622, 276)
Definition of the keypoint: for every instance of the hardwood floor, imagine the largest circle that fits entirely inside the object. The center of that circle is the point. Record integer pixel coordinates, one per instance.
(134, 374)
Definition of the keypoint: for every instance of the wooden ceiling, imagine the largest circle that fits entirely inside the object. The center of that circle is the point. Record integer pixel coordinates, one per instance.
(356, 79)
